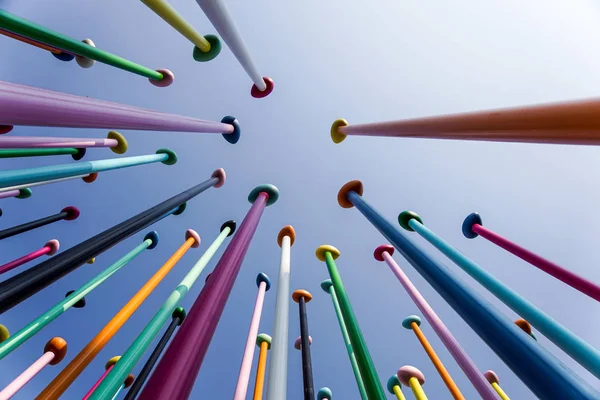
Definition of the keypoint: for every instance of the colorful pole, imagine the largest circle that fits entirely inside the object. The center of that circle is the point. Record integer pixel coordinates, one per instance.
(74, 298)
(55, 52)
(411, 376)
(178, 316)
(114, 140)
(128, 381)
(68, 375)
(218, 14)
(493, 380)
(68, 214)
(81, 302)
(574, 122)
(176, 372)
(50, 249)
(525, 327)
(76, 154)
(264, 284)
(395, 387)
(302, 297)
(324, 394)
(384, 253)
(277, 377)
(327, 287)
(30, 30)
(27, 283)
(581, 351)
(473, 227)
(29, 106)
(18, 193)
(136, 350)
(263, 341)
(54, 351)
(373, 387)
(86, 178)
(107, 367)
(539, 370)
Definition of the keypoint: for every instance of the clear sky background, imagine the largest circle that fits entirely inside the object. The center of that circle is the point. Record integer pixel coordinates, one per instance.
(365, 61)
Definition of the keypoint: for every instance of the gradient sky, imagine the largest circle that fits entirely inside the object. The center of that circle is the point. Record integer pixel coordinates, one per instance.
(369, 61)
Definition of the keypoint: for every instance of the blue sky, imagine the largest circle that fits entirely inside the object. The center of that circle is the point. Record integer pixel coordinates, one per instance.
(366, 62)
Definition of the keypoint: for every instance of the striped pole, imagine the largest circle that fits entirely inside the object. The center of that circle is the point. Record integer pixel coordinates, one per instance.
(411, 376)
(30, 30)
(174, 376)
(54, 351)
(205, 47)
(17, 193)
(277, 376)
(525, 327)
(539, 370)
(395, 387)
(263, 341)
(324, 394)
(493, 380)
(29, 106)
(218, 14)
(373, 387)
(53, 50)
(473, 227)
(68, 214)
(50, 249)
(114, 140)
(76, 154)
(384, 253)
(264, 284)
(575, 122)
(74, 298)
(137, 348)
(581, 351)
(86, 178)
(107, 367)
(178, 316)
(68, 375)
(302, 297)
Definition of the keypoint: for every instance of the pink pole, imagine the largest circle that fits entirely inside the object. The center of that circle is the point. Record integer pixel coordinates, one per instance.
(23, 142)
(241, 388)
(384, 253)
(50, 248)
(10, 193)
(89, 393)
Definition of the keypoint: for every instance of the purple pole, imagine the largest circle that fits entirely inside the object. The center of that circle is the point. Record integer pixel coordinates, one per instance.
(174, 377)
(50, 248)
(384, 253)
(114, 140)
(18, 193)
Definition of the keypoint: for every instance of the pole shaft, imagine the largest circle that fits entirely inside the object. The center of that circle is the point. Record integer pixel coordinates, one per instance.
(260, 371)
(33, 142)
(30, 42)
(10, 193)
(26, 376)
(89, 393)
(398, 393)
(14, 153)
(500, 392)
(28, 226)
(417, 389)
(25, 259)
(307, 375)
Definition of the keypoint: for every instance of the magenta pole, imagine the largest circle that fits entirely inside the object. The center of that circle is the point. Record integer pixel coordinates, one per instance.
(384, 253)
(50, 248)
(264, 284)
(98, 382)
(174, 377)
(473, 227)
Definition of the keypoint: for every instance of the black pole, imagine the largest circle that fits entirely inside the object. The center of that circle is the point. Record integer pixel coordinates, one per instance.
(67, 213)
(22, 286)
(178, 317)
(300, 297)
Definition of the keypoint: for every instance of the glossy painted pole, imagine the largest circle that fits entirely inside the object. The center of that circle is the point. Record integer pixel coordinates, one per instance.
(538, 369)
(366, 367)
(263, 341)
(139, 346)
(18, 193)
(473, 227)
(68, 375)
(30, 106)
(68, 214)
(28, 29)
(493, 380)
(50, 249)
(175, 374)
(34, 43)
(574, 122)
(74, 298)
(86, 178)
(384, 253)
(581, 351)
(27, 283)
(327, 287)
(302, 297)
(76, 154)
(395, 387)
(54, 351)
(107, 367)
(241, 388)
(277, 376)
(411, 376)
(218, 14)
(115, 141)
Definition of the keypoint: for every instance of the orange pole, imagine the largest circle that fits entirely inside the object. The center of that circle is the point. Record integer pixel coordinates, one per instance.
(31, 42)
(68, 375)
(265, 343)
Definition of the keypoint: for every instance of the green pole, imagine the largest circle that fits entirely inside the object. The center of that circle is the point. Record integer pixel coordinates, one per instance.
(13, 153)
(110, 384)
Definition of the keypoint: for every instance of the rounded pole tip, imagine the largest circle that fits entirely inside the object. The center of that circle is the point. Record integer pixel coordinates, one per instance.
(298, 342)
(72, 213)
(190, 233)
(167, 79)
(79, 154)
(231, 224)
(207, 277)
(262, 277)
(234, 136)
(352, 186)
(378, 253)
(491, 376)
(152, 235)
(180, 209)
(122, 144)
(58, 346)
(63, 56)
(269, 189)
(289, 231)
(407, 371)
(171, 156)
(85, 62)
(407, 322)
(524, 325)
(4, 333)
(215, 49)
(301, 293)
(24, 193)
(263, 337)
(323, 249)
(259, 94)
(5, 129)
(91, 260)
(129, 380)
(220, 174)
(180, 313)
(0, 212)
(80, 303)
(324, 394)
(393, 381)
(326, 285)
(405, 217)
(467, 226)
(90, 178)
(111, 362)
(54, 245)
(336, 135)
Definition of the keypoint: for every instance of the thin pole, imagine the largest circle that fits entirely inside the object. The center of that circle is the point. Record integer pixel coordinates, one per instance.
(395, 387)
(115, 141)
(107, 370)
(89, 178)
(302, 297)
(50, 249)
(176, 372)
(34, 43)
(18, 193)
(493, 380)
(412, 377)
(263, 341)
(76, 154)
(68, 214)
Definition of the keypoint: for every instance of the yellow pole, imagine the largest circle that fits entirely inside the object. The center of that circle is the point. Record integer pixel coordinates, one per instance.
(492, 378)
(417, 389)
(398, 393)
(411, 376)
(500, 392)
